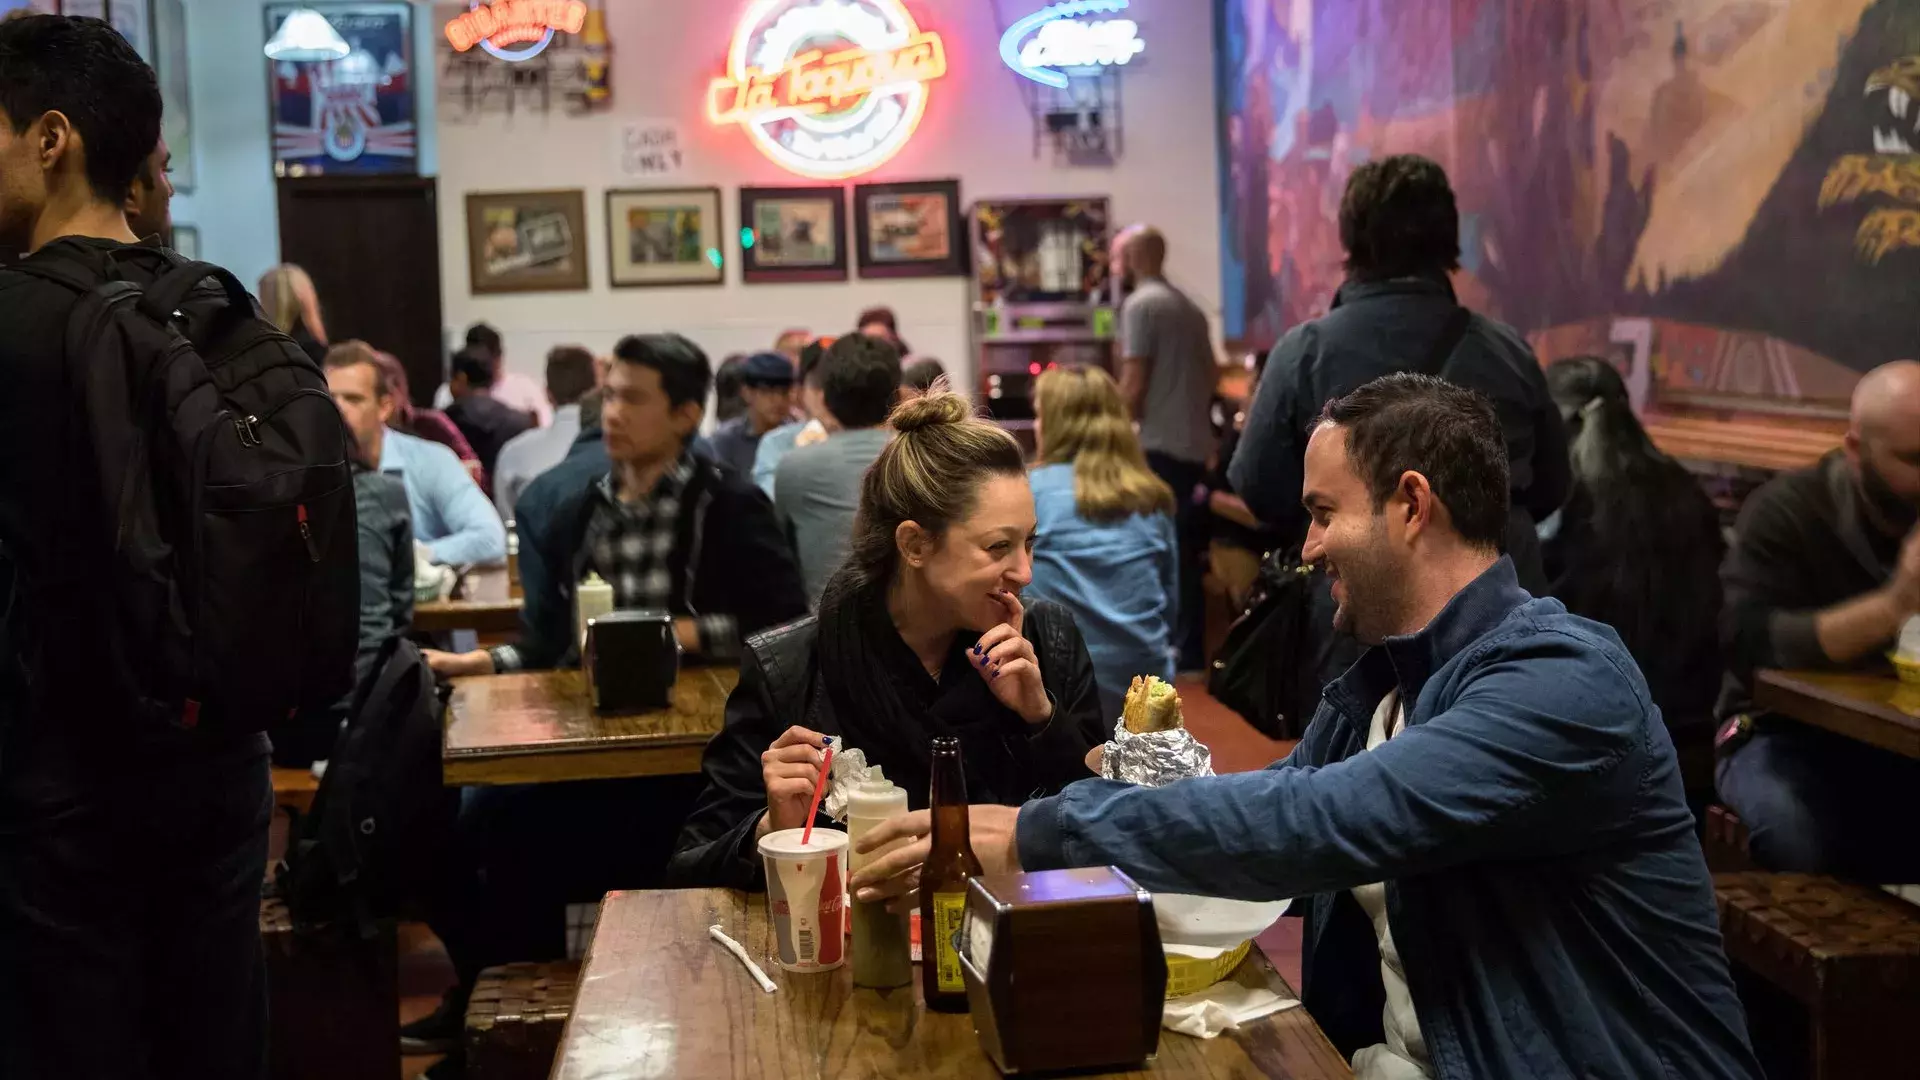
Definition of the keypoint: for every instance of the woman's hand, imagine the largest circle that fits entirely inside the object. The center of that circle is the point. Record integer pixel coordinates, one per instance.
(789, 769)
(895, 876)
(1005, 658)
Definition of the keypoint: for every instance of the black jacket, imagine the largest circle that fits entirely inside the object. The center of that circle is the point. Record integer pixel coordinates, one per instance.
(781, 686)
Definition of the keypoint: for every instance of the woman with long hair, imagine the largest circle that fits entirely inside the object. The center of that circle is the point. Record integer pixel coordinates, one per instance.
(1638, 546)
(921, 634)
(291, 303)
(1106, 548)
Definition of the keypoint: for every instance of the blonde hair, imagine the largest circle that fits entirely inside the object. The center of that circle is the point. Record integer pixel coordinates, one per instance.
(929, 474)
(289, 299)
(1083, 423)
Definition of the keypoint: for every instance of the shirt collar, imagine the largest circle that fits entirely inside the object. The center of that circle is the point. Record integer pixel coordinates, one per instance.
(670, 485)
(1356, 291)
(1407, 661)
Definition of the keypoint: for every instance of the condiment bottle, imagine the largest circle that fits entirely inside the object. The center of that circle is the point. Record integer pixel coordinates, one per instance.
(943, 883)
(882, 950)
(593, 599)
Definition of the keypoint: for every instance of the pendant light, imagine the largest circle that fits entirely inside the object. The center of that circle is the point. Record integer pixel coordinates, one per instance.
(306, 35)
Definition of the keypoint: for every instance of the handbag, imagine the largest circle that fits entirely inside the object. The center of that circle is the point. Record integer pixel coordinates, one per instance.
(1269, 667)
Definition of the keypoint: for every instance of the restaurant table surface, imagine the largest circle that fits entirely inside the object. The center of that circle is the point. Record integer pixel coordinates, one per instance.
(658, 997)
(1879, 710)
(539, 727)
(484, 616)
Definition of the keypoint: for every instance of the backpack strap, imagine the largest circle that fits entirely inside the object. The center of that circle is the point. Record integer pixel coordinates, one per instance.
(162, 298)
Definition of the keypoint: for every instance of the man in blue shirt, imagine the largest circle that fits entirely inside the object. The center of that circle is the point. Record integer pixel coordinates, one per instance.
(451, 515)
(1484, 823)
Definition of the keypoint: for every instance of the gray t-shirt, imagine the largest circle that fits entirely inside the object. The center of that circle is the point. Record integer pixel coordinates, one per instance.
(1160, 325)
(816, 493)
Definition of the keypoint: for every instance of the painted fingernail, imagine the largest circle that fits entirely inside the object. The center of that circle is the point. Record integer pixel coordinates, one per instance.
(993, 676)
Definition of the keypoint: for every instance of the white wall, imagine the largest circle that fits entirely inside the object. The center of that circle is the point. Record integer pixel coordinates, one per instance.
(977, 128)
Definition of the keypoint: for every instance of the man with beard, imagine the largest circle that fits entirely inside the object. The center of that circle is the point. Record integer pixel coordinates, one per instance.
(1824, 570)
(1484, 823)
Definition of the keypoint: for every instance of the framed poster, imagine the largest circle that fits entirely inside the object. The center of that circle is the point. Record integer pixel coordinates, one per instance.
(186, 240)
(170, 64)
(354, 115)
(664, 236)
(527, 241)
(910, 230)
(135, 23)
(793, 234)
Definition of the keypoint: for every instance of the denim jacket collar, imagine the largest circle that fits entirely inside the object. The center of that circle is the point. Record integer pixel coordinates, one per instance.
(1353, 292)
(1409, 660)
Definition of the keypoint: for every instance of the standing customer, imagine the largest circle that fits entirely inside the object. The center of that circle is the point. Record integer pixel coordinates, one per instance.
(1167, 375)
(571, 376)
(766, 384)
(1105, 548)
(292, 303)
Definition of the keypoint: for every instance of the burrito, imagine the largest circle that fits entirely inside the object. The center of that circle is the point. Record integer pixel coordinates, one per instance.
(1151, 744)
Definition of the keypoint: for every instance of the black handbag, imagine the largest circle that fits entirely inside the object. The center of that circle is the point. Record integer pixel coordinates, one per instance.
(1269, 668)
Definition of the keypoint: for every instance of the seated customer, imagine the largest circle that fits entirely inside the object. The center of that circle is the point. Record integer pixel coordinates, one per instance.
(922, 634)
(1106, 548)
(664, 527)
(1238, 543)
(571, 376)
(851, 390)
(775, 445)
(1825, 568)
(451, 516)
(510, 388)
(1487, 794)
(766, 385)
(429, 424)
(486, 423)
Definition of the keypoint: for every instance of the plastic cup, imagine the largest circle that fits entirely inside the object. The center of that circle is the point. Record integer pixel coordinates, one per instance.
(807, 897)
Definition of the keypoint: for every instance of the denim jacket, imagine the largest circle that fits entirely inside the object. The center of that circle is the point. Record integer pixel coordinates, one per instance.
(1552, 909)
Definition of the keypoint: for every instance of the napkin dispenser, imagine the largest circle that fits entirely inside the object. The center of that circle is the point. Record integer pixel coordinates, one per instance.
(632, 659)
(1064, 970)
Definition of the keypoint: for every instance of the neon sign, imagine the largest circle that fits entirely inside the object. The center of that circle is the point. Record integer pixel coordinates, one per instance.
(827, 88)
(515, 30)
(1060, 38)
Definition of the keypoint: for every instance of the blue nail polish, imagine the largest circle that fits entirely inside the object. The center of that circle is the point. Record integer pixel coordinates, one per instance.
(995, 675)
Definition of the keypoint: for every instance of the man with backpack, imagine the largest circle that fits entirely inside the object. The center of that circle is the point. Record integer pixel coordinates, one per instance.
(176, 574)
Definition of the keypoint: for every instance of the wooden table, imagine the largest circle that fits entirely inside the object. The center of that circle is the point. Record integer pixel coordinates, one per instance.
(539, 726)
(658, 997)
(1878, 710)
(484, 616)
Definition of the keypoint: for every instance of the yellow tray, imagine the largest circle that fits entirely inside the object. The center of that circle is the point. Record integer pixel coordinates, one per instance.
(1908, 670)
(1186, 975)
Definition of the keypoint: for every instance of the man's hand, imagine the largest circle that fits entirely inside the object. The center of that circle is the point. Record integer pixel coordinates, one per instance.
(789, 769)
(1905, 586)
(687, 632)
(1005, 659)
(458, 665)
(895, 876)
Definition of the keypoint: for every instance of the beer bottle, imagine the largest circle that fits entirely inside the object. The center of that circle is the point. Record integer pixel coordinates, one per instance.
(943, 883)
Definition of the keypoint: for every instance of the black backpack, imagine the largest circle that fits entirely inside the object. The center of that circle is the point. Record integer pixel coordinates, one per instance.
(370, 846)
(223, 465)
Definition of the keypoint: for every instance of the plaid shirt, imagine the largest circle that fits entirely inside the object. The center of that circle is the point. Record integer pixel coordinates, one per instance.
(628, 545)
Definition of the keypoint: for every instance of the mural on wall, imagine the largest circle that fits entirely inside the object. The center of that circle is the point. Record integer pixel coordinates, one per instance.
(1723, 194)
(354, 115)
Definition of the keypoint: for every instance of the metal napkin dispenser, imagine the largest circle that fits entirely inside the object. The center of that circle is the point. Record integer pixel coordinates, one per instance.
(632, 659)
(1064, 970)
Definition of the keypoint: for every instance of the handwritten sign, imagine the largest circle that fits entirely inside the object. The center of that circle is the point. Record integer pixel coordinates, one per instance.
(649, 150)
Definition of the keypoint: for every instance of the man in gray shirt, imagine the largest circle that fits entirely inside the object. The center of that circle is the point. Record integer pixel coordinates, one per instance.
(1167, 376)
(817, 489)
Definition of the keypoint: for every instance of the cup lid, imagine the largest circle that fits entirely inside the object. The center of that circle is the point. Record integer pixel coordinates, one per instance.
(786, 843)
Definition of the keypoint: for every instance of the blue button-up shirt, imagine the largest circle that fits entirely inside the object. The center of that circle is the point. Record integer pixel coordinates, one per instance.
(451, 515)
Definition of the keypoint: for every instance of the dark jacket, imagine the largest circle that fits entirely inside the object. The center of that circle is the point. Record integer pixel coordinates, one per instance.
(781, 686)
(1377, 329)
(1553, 913)
(729, 556)
(487, 425)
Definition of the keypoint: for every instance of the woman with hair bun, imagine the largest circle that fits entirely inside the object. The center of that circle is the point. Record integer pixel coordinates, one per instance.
(920, 634)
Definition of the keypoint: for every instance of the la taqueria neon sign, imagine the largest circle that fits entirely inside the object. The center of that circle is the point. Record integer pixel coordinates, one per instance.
(515, 29)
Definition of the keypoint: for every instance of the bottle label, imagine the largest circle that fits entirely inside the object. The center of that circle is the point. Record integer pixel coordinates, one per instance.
(949, 911)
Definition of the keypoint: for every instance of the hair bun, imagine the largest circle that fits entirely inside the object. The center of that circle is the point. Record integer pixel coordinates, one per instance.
(937, 407)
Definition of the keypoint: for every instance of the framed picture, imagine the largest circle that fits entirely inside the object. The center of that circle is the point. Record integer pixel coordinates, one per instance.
(186, 240)
(793, 234)
(527, 241)
(354, 115)
(170, 64)
(910, 230)
(664, 236)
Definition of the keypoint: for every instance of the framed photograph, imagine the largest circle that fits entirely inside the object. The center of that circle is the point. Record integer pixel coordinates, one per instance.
(354, 115)
(910, 230)
(170, 64)
(664, 236)
(186, 240)
(527, 241)
(793, 234)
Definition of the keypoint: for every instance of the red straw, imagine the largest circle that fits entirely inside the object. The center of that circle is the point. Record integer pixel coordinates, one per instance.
(819, 789)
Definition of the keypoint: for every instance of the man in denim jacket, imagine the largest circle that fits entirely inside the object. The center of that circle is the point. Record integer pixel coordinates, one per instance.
(1484, 823)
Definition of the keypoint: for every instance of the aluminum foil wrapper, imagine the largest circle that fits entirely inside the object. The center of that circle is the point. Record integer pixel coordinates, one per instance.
(848, 771)
(1154, 758)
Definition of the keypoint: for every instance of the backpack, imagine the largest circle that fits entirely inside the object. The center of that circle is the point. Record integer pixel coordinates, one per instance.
(228, 498)
(368, 848)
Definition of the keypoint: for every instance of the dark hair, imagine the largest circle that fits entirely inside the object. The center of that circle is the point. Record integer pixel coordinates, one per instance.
(84, 69)
(810, 356)
(728, 402)
(1398, 219)
(882, 315)
(860, 378)
(569, 374)
(476, 365)
(353, 353)
(920, 375)
(685, 373)
(1404, 423)
(485, 338)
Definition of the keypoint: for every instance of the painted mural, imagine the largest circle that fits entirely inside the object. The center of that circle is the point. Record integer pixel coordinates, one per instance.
(1723, 195)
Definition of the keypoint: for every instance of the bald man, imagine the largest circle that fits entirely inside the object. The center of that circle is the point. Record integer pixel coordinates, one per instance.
(1824, 570)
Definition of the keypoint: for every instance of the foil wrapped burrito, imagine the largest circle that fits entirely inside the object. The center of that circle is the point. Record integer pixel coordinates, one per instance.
(1151, 744)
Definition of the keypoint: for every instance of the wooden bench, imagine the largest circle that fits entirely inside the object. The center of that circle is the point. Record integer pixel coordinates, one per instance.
(1760, 444)
(1850, 954)
(333, 1001)
(515, 1018)
(294, 789)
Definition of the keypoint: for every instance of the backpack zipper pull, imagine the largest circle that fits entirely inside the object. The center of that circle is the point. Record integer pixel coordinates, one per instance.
(246, 426)
(306, 533)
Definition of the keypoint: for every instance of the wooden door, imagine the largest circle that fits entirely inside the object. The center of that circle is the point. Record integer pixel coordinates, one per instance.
(372, 246)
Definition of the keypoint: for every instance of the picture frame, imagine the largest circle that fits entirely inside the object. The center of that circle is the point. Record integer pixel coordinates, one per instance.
(659, 237)
(170, 66)
(911, 229)
(186, 240)
(356, 116)
(793, 234)
(527, 241)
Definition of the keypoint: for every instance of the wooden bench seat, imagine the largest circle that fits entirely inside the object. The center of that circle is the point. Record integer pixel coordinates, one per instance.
(515, 1019)
(1758, 444)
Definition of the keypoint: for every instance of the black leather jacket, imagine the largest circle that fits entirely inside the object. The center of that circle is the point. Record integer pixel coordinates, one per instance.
(780, 687)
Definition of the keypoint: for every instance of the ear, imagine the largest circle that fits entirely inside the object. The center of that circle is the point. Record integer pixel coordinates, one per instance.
(57, 138)
(914, 543)
(686, 417)
(387, 406)
(1851, 444)
(1413, 504)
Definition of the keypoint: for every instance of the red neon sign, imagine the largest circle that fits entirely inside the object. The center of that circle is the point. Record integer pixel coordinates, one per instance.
(494, 26)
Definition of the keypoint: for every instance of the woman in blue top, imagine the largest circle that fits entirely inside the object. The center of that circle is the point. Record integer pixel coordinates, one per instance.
(1106, 547)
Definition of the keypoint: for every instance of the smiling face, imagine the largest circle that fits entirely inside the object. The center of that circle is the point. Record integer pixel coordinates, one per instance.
(979, 558)
(1354, 541)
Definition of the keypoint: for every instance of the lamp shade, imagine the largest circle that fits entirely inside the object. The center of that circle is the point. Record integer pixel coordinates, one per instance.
(306, 35)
